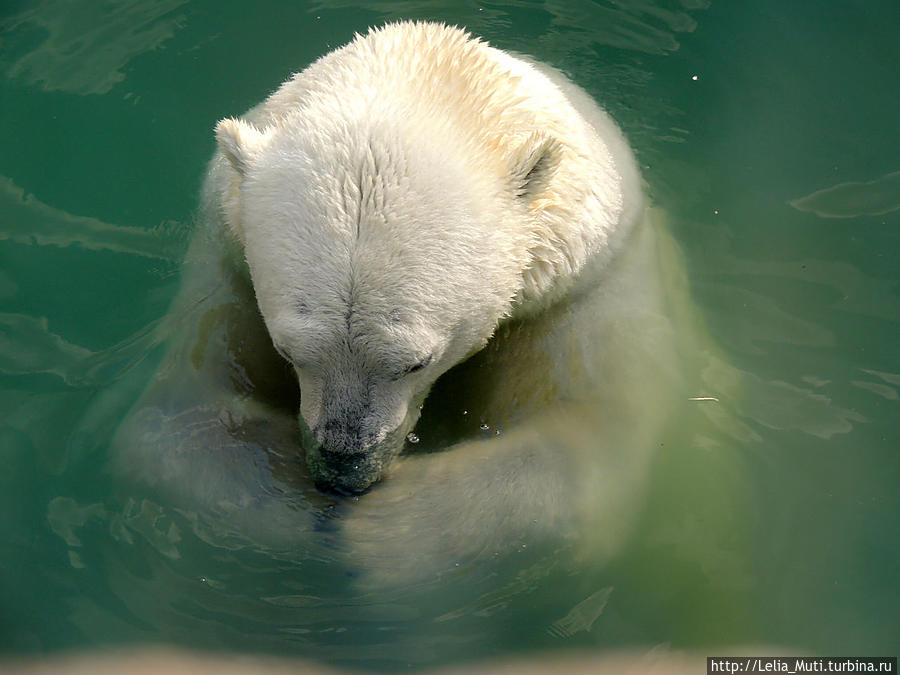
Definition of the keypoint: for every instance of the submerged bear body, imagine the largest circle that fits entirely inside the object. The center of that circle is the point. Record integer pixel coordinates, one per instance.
(416, 213)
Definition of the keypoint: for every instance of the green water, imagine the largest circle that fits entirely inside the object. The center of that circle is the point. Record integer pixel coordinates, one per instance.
(766, 131)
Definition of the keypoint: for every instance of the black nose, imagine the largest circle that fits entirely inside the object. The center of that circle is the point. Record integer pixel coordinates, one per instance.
(343, 462)
(345, 472)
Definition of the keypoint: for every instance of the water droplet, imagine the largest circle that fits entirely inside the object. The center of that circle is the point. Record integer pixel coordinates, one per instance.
(412, 438)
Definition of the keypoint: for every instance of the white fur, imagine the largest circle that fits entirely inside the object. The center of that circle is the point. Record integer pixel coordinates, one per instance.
(392, 171)
(431, 89)
(400, 197)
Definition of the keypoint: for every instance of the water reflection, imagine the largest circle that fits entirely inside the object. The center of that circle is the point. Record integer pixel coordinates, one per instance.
(566, 28)
(852, 200)
(72, 47)
(29, 221)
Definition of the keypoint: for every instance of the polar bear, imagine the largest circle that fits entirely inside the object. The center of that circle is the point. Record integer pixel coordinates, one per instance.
(396, 201)
(417, 212)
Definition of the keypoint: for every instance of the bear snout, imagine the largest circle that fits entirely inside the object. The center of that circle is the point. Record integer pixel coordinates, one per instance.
(347, 458)
(345, 472)
(341, 438)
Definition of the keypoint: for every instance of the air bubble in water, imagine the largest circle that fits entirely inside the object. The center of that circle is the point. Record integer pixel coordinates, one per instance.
(412, 438)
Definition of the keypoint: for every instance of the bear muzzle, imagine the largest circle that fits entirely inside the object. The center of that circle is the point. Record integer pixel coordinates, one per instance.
(345, 439)
(349, 472)
(348, 453)
(342, 458)
(345, 473)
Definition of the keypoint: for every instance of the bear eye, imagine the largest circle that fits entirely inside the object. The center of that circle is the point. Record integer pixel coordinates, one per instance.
(416, 367)
(421, 364)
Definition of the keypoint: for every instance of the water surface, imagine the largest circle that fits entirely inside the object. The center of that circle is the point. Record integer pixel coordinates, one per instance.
(767, 136)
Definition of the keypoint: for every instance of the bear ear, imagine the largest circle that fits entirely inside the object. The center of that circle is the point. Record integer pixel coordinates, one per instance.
(533, 165)
(240, 142)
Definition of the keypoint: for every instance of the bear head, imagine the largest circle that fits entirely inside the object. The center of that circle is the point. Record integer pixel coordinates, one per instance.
(381, 255)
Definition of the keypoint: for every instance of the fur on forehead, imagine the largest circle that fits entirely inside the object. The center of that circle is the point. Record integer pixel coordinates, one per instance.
(380, 144)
